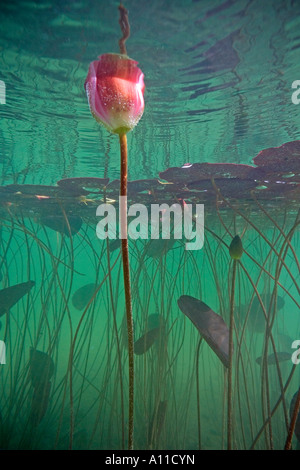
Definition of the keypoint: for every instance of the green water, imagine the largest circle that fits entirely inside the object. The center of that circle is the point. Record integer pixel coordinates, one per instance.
(218, 81)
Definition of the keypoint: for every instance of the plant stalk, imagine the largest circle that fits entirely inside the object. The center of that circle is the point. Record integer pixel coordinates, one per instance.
(288, 443)
(126, 275)
(229, 394)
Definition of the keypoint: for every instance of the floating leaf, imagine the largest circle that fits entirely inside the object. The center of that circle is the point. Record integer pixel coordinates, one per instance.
(285, 158)
(146, 341)
(83, 185)
(156, 248)
(11, 295)
(37, 190)
(209, 324)
(60, 224)
(41, 367)
(229, 187)
(83, 295)
(114, 244)
(155, 321)
(146, 185)
(205, 171)
(271, 359)
(40, 401)
(256, 318)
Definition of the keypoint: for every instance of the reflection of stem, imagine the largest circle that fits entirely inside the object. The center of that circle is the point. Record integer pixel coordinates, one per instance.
(293, 423)
(229, 397)
(126, 274)
(125, 28)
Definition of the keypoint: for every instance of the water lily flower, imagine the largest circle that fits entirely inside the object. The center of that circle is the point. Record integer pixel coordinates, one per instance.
(115, 90)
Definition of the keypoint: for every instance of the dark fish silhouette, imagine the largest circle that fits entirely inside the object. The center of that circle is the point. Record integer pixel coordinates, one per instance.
(271, 359)
(11, 295)
(83, 295)
(59, 223)
(41, 367)
(209, 324)
(146, 341)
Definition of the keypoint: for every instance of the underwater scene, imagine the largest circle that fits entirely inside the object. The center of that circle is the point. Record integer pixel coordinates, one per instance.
(150, 225)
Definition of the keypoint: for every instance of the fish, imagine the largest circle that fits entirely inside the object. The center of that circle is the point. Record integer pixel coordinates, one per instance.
(209, 324)
(144, 343)
(83, 295)
(271, 359)
(59, 223)
(11, 295)
(41, 367)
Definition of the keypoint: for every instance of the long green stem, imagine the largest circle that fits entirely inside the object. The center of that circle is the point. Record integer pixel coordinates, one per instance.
(229, 395)
(126, 274)
(289, 438)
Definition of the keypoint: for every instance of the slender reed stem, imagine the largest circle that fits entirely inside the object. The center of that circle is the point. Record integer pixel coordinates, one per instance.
(126, 274)
(198, 394)
(289, 438)
(229, 395)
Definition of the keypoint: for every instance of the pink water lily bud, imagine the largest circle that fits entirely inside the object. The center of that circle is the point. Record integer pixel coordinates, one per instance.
(115, 90)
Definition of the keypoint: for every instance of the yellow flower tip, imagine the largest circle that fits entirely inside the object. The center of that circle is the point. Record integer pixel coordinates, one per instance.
(236, 248)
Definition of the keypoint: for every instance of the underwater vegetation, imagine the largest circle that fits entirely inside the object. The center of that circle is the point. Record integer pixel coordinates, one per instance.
(41, 369)
(144, 344)
(210, 325)
(11, 295)
(63, 320)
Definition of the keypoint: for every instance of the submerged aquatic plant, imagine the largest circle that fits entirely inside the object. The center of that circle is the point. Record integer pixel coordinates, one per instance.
(235, 251)
(115, 91)
(295, 420)
(210, 325)
(12, 294)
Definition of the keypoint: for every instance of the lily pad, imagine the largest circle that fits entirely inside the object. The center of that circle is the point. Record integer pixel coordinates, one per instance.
(209, 324)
